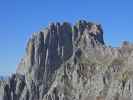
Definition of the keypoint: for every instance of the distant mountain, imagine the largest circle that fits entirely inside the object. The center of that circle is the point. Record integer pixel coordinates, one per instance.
(71, 62)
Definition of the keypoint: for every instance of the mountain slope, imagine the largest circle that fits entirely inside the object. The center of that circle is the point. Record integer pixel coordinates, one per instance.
(65, 62)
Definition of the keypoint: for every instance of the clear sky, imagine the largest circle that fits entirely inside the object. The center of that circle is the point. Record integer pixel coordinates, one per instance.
(19, 18)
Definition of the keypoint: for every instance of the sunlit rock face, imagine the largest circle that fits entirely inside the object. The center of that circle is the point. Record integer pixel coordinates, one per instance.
(71, 62)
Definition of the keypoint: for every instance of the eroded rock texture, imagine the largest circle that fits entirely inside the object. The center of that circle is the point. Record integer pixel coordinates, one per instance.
(65, 62)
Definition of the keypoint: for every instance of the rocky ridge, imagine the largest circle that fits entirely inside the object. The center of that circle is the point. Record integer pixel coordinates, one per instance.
(65, 62)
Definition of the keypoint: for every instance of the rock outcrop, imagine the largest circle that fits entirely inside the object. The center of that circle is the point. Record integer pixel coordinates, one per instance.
(65, 62)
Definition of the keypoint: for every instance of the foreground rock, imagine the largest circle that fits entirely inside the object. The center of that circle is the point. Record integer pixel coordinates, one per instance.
(64, 62)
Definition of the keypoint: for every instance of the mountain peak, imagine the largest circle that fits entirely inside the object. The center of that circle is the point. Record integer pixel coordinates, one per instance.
(71, 62)
(48, 49)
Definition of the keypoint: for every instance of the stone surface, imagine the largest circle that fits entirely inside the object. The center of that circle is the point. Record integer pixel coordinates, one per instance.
(65, 62)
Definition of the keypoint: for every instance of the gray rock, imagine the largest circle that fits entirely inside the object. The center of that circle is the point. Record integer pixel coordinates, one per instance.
(65, 62)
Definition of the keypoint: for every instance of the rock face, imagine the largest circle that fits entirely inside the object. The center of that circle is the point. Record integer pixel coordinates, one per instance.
(65, 62)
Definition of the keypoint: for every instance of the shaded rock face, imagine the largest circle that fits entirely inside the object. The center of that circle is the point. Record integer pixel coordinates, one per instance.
(65, 62)
(12, 89)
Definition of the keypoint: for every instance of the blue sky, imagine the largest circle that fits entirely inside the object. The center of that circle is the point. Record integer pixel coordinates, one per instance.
(19, 18)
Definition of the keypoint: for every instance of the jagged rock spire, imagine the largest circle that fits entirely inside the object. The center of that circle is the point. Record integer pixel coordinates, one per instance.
(71, 62)
(55, 43)
(49, 48)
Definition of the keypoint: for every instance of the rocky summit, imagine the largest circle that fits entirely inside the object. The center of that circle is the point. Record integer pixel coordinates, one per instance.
(71, 62)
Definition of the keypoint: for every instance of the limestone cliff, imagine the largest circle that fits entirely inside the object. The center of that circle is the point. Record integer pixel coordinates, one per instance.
(65, 62)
